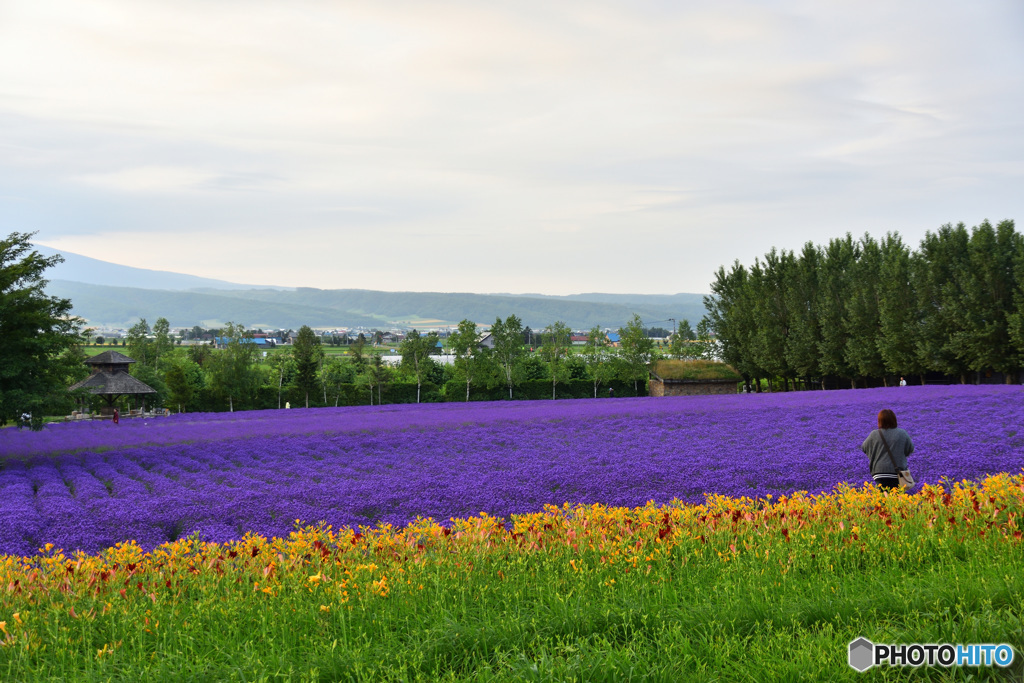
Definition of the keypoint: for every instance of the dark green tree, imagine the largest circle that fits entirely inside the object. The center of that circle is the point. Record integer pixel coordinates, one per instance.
(1015, 320)
(147, 374)
(307, 355)
(358, 352)
(984, 342)
(184, 380)
(898, 313)
(801, 292)
(39, 359)
(941, 267)
(730, 309)
(772, 320)
(138, 343)
(833, 289)
(862, 323)
(200, 353)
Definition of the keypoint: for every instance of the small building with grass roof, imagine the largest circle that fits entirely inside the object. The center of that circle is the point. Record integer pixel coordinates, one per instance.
(692, 378)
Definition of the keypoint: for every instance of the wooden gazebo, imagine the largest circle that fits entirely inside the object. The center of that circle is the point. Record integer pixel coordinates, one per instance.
(110, 380)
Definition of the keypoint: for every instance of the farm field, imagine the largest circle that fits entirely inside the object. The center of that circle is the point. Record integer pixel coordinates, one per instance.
(256, 527)
(90, 485)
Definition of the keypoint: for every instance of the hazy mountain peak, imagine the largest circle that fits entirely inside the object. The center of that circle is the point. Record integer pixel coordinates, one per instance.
(92, 271)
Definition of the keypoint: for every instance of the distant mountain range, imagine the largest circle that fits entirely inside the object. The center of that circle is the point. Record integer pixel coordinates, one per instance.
(100, 293)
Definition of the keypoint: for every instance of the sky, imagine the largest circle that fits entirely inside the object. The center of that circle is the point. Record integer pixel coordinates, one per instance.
(548, 147)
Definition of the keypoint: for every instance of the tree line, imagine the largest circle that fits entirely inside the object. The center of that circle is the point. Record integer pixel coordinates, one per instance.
(238, 376)
(863, 312)
(42, 354)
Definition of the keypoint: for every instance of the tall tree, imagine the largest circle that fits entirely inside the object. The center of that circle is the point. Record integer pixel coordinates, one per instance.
(334, 375)
(162, 343)
(200, 353)
(508, 347)
(184, 380)
(282, 370)
(874, 309)
(682, 346)
(596, 356)
(38, 333)
(637, 351)
(941, 266)
(138, 343)
(707, 346)
(308, 355)
(1015, 320)
(801, 292)
(416, 350)
(834, 287)
(555, 350)
(233, 373)
(771, 313)
(730, 309)
(984, 342)
(528, 337)
(377, 374)
(863, 325)
(898, 312)
(465, 343)
(358, 352)
(360, 356)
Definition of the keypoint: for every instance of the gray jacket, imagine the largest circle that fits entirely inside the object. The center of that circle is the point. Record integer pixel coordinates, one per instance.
(899, 443)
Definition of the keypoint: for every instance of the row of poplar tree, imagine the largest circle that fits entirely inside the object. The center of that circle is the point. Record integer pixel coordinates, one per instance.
(867, 311)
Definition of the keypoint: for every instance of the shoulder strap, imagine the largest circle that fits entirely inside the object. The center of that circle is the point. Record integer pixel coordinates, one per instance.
(888, 450)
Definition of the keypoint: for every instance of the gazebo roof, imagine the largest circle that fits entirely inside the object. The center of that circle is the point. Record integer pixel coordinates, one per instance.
(108, 358)
(115, 383)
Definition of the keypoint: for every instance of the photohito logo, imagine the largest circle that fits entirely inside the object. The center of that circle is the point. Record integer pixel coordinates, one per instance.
(864, 654)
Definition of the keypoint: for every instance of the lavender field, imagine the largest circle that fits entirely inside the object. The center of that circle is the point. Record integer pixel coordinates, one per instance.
(90, 486)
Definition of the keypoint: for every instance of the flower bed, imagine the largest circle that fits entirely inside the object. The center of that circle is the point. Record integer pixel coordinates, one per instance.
(90, 486)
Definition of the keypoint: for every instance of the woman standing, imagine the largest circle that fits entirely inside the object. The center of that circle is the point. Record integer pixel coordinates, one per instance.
(882, 470)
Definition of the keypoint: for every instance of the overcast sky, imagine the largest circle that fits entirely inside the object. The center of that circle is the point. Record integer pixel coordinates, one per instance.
(555, 147)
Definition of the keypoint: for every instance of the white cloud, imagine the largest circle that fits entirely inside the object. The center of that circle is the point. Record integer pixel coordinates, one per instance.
(151, 179)
(528, 143)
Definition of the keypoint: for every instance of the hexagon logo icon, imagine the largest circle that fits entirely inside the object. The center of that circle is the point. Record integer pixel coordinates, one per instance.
(862, 653)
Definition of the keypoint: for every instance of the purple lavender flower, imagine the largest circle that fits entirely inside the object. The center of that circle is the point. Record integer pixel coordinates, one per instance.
(88, 486)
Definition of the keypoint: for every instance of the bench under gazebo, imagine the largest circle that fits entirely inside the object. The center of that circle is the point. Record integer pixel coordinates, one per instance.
(110, 381)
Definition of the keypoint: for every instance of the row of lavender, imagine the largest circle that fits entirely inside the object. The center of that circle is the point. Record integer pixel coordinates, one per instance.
(90, 486)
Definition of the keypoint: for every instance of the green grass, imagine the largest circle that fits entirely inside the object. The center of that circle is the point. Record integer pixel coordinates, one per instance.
(537, 621)
(695, 370)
